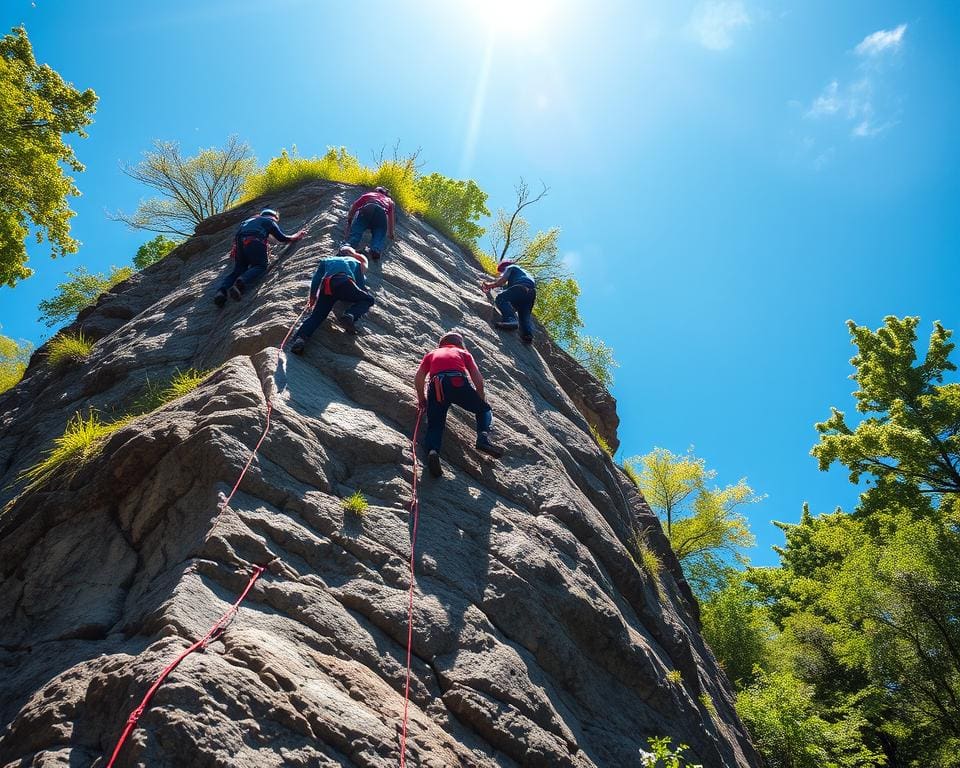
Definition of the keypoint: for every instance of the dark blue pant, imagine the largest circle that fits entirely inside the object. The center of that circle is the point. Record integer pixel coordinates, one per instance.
(456, 391)
(374, 218)
(518, 300)
(250, 265)
(342, 289)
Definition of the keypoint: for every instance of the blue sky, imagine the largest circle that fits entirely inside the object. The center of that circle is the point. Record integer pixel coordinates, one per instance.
(734, 180)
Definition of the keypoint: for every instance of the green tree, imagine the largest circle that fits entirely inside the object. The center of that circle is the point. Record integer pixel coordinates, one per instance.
(37, 108)
(81, 290)
(455, 207)
(783, 717)
(556, 309)
(737, 627)
(191, 188)
(910, 442)
(592, 353)
(153, 251)
(704, 525)
(14, 358)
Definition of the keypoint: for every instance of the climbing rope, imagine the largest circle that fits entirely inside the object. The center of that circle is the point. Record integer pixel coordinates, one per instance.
(415, 511)
(221, 624)
(215, 631)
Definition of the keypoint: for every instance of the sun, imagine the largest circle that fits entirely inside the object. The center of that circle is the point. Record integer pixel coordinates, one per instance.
(524, 19)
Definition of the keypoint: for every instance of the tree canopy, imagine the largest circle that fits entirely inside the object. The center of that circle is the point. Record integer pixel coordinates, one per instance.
(191, 188)
(37, 108)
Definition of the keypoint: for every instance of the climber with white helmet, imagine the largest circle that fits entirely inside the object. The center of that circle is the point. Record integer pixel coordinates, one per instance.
(250, 253)
(516, 299)
(449, 366)
(375, 211)
(338, 278)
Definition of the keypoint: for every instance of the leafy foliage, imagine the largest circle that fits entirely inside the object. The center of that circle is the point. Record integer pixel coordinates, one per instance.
(355, 504)
(596, 356)
(68, 348)
(81, 290)
(453, 206)
(867, 666)
(399, 175)
(664, 755)
(736, 625)
(913, 445)
(153, 251)
(709, 527)
(191, 188)
(781, 714)
(37, 108)
(14, 358)
(644, 557)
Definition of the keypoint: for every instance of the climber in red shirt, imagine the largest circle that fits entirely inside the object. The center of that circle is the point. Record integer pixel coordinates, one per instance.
(375, 211)
(449, 366)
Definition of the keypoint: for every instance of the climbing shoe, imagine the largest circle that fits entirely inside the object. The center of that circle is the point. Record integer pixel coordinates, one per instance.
(526, 339)
(433, 462)
(484, 444)
(507, 325)
(349, 322)
(220, 298)
(236, 291)
(375, 255)
(298, 345)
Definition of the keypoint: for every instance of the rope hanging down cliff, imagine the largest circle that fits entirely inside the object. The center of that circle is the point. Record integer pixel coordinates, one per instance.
(415, 510)
(221, 624)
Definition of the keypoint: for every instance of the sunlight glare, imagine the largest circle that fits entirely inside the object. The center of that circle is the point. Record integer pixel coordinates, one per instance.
(518, 18)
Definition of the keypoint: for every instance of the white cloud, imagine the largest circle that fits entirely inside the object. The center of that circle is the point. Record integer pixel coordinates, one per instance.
(713, 23)
(828, 102)
(881, 41)
(863, 106)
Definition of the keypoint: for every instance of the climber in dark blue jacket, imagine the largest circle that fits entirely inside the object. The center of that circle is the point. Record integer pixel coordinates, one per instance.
(250, 253)
(339, 278)
(516, 299)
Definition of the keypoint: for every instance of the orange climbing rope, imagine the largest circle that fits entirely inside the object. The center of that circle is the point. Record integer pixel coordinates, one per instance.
(415, 510)
(221, 624)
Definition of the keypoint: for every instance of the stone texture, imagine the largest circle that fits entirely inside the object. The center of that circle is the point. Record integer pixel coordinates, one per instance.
(538, 641)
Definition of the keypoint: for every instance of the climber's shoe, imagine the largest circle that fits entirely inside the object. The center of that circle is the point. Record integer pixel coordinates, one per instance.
(220, 297)
(484, 444)
(507, 325)
(375, 255)
(298, 344)
(526, 339)
(349, 322)
(236, 290)
(433, 462)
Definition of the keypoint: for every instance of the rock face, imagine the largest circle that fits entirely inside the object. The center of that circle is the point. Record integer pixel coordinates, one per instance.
(538, 640)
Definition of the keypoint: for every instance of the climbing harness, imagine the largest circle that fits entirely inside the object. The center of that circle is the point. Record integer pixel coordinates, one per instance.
(438, 378)
(415, 511)
(221, 624)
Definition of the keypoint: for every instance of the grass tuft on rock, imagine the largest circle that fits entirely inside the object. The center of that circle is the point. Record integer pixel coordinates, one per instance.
(356, 504)
(604, 445)
(81, 441)
(156, 395)
(645, 558)
(68, 349)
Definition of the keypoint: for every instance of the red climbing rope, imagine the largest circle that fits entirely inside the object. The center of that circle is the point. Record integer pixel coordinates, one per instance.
(415, 510)
(215, 631)
(221, 624)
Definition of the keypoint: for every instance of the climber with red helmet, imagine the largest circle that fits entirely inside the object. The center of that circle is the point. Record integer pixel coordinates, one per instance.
(338, 278)
(516, 299)
(449, 366)
(375, 211)
(250, 253)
